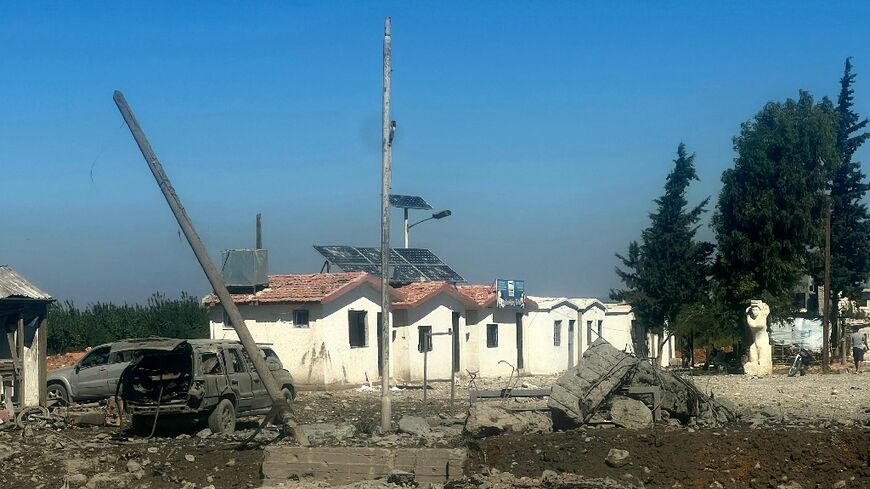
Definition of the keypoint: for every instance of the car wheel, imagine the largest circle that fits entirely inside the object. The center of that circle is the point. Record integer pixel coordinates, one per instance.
(58, 393)
(223, 418)
(289, 394)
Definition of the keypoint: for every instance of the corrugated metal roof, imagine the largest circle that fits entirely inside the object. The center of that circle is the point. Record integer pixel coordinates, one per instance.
(14, 285)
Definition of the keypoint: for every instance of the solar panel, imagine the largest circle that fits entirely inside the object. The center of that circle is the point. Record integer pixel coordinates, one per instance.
(409, 202)
(406, 264)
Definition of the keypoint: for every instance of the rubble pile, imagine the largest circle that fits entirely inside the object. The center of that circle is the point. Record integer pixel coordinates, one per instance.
(613, 380)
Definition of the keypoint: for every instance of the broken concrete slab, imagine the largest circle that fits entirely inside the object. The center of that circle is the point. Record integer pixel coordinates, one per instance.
(414, 425)
(630, 413)
(488, 420)
(604, 371)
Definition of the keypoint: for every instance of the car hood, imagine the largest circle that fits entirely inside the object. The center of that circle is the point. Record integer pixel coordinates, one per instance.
(61, 373)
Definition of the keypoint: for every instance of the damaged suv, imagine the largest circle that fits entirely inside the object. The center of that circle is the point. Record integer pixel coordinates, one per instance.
(203, 379)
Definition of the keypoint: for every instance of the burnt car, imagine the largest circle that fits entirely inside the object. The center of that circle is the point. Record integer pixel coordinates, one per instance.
(211, 380)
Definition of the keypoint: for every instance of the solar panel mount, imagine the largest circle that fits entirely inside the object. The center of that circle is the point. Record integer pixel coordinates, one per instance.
(409, 202)
(406, 264)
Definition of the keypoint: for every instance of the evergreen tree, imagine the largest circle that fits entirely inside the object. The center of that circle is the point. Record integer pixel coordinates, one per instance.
(668, 269)
(769, 218)
(850, 223)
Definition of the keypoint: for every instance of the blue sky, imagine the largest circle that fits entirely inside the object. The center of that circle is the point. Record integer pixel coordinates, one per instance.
(547, 128)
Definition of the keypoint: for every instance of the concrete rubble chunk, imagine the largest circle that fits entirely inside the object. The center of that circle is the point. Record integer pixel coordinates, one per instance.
(604, 371)
(616, 457)
(630, 413)
(324, 431)
(414, 425)
(401, 478)
(486, 419)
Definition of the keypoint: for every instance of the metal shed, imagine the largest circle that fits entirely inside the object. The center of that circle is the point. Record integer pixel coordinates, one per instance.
(24, 323)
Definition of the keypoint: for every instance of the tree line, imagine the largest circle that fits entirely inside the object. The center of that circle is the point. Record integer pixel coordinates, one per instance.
(74, 329)
(793, 160)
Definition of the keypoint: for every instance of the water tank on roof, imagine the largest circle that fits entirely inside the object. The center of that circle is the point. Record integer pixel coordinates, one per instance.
(245, 268)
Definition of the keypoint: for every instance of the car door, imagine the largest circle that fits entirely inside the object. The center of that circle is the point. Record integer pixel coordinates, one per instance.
(261, 395)
(92, 374)
(240, 379)
(118, 361)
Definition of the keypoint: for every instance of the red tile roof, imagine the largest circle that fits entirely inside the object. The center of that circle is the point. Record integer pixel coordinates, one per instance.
(315, 287)
(482, 295)
(416, 293)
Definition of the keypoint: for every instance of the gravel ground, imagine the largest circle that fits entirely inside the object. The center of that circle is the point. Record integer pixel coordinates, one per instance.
(815, 396)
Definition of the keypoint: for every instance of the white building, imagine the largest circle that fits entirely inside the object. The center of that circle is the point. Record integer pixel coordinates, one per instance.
(430, 308)
(324, 327)
(552, 335)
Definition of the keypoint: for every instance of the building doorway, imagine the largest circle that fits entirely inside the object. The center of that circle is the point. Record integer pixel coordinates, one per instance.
(380, 335)
(519, 341)
(456, 317)
(571, 343)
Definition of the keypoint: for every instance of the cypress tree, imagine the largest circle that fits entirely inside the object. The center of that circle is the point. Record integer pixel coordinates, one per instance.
(669, 268)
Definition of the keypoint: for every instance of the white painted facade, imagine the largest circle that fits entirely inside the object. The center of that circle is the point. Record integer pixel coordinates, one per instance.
(484, 357)
(440, 314)
(319, 355)
(617, 325)
(552, 336)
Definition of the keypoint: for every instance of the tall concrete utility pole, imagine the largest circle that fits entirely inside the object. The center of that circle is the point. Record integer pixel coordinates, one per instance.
(280, 407)
(826, 320)
(386, 175)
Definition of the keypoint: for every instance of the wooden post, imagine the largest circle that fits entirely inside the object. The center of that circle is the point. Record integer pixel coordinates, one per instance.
(280, 406)
(42, 352)
(386, 176)
(22, 376)
(826, 320)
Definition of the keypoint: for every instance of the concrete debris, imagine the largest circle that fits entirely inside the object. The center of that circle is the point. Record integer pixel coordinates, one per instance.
(604, 371)
(414, 425)
(402, 478)
(630, 413)
(616, 458)
(318, 432)
(487, 420)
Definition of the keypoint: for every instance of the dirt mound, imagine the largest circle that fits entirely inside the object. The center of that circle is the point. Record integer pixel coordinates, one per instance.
(734, 457)
(64, 359)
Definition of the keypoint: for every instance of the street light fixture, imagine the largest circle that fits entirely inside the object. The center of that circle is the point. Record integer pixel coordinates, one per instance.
(437, 215)
(406, 202)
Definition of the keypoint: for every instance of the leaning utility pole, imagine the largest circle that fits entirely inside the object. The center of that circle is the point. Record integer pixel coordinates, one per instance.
(826, 319)
(386, 164)
(280, 408)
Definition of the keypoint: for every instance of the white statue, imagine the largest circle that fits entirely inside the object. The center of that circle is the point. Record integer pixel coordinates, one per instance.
(758, 360)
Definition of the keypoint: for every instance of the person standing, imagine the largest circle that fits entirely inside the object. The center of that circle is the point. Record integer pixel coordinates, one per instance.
(859, 346)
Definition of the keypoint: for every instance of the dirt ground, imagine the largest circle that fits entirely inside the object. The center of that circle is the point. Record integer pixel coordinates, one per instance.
(733, 457)
(811, 430)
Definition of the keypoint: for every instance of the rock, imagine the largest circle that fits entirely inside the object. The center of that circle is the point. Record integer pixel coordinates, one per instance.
(414, 425)
(487, 420)
(202, 434)
(790, 485)
(400, 477)
(616, 458)
(133, 466)
(189, 458)
(6, 452)
(77, 479)
(322, 431)
(839, 485)
(630, 413)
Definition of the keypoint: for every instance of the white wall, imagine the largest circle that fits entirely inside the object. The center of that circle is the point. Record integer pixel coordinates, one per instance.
(617, 329)
(543, 357)
(487, 361)
(438, 313)
(592, 314)
(319, 355)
